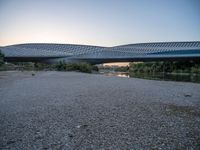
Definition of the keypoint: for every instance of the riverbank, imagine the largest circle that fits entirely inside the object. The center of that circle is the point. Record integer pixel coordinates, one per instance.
(69, 110)
(180, 77)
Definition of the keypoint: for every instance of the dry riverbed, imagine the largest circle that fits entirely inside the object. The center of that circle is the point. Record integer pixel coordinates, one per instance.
(68, 110)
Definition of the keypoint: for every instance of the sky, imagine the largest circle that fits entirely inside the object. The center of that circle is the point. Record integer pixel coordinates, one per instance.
(98, 22)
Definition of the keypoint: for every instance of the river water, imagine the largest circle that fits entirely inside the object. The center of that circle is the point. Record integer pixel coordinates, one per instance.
(156, 76)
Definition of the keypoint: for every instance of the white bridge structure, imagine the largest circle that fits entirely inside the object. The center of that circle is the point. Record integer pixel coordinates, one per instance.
(53, 53)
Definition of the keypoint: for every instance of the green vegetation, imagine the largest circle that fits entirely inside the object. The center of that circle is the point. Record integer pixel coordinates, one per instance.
(43, 67)
(174, 67)
(166, 67)
(122, 69)
(82, 67)
(1, 58)
(187, 71)
(17, 66)
(61, 66)
(23, 66)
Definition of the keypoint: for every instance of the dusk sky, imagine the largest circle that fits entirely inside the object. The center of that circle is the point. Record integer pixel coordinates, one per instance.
(98, 22)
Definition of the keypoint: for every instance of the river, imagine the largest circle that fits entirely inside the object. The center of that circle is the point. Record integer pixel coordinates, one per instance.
(184, 77)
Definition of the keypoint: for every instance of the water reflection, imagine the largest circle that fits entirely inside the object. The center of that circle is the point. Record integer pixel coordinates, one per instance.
(118, 74)
(156, 76)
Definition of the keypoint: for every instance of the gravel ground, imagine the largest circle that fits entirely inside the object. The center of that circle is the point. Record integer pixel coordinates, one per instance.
(68, 110)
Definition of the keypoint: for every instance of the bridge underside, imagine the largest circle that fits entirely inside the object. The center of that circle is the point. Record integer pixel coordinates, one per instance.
(97, 60)
(53, 53)
(149, 59)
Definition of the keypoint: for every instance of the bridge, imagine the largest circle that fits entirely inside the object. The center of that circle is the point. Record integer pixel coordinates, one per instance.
(53, 53)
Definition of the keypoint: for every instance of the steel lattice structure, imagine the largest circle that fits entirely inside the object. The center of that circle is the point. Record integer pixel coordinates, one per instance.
(52, 53)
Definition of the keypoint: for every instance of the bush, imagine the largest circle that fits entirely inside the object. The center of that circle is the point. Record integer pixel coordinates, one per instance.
(122, 69)
(1, 58)
(61, 66)
(82, 67)
(95, 68)
(166, 66)
(43, 66)
(195, 69)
